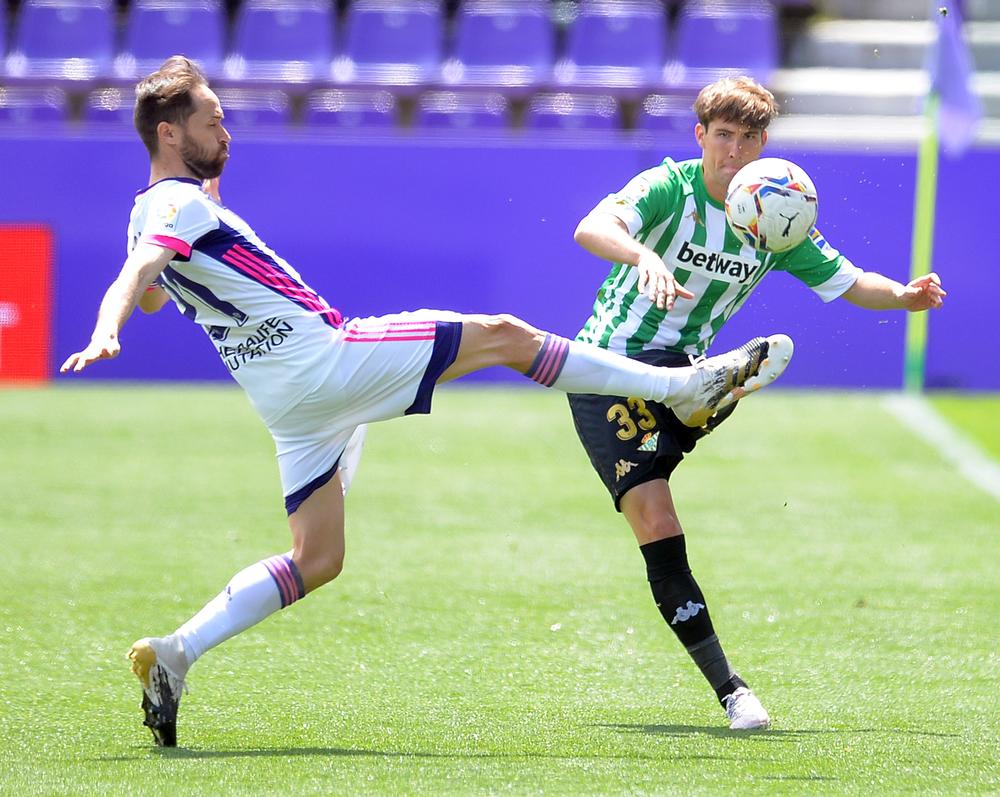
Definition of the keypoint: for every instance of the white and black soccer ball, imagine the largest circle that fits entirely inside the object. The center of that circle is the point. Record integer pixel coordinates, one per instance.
(771, 204)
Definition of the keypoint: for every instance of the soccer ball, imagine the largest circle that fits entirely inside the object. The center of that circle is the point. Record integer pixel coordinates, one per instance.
(771, 204)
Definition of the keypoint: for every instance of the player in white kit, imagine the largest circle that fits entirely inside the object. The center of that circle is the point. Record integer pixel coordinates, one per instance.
(315, 377)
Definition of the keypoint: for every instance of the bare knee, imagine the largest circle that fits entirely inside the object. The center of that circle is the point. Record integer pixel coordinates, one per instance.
(318, 567)
(506, 329)
(649, 509)
(654, 526)
(515, 341)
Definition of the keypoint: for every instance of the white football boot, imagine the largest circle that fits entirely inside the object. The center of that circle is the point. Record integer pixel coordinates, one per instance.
(745, 711)
(726, 378)
(160, 666)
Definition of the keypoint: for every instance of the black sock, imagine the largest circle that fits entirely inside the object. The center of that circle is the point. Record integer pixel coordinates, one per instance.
(682, 604)
(730, 686)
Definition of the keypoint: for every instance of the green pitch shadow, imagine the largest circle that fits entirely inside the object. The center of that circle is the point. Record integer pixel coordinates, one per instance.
(772, 734)
(324, 752)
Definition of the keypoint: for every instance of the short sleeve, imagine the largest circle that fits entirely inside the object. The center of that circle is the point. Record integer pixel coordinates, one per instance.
(176, 220)
(820, 266)
(646, 200)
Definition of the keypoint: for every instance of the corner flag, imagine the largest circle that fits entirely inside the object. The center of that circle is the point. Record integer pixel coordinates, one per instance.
(951, 112)
(950, 67)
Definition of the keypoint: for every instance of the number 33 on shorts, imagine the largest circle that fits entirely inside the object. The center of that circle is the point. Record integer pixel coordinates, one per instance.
(631, 416)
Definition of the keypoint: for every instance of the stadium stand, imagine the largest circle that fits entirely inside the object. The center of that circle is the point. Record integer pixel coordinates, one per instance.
(350, 108)
(62, 41)
(29, 105)
(392, 43)
(666, 113)
(282, 41)
(859, 66)
(849, 65)
(157, 29)
(504, 44)
(565, 111)
(109, 107)
(615, 45)
(711, 40)
(255, 108)
(467, 110)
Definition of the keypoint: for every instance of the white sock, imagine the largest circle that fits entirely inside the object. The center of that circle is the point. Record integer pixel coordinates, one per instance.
(253, 594)
(575, 367)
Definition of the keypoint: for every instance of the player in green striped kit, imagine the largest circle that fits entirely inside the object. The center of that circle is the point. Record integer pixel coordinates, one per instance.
(679, 274)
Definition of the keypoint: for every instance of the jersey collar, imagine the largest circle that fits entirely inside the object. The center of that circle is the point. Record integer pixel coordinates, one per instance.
(191, 180)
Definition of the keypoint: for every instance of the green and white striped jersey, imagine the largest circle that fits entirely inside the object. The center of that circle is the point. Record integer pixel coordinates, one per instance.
(668, 209)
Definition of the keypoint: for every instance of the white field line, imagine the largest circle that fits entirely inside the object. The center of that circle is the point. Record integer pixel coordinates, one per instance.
(971, 461)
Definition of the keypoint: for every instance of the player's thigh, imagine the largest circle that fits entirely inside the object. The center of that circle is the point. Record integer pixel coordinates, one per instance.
(387, 366)
(309, 442)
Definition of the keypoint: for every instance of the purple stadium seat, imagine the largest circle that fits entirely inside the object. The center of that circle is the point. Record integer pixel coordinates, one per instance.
(110, 106)
(667, 113)
(505, 44)
(30, 105)
(718, 37)
(286, 41)
(3, 37)
(391, 43)
(462, 110)
(62, 40)
(249, 108)
(615, 46)
(572, 112)
(350, 108)
(157, 29)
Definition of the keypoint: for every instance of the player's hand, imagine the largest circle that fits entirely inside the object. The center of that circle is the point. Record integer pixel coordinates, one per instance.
(923, 293)
(211, 187)
(658, 283)
(103, 349)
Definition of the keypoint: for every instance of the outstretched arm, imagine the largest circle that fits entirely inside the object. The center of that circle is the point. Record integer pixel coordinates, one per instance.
(606, 236)
(874, 291)
(143, 265)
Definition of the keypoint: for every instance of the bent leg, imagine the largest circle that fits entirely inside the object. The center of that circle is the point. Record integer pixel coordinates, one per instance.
(267, 586)
(317, 528)
(649, 509)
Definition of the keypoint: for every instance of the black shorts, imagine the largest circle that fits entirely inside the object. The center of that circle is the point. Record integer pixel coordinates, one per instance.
(631, 441)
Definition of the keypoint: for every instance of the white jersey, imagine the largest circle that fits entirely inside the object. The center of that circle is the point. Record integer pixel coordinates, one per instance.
(272, 331)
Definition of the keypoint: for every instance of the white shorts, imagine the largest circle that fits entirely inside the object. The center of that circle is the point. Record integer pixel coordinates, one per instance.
(384, 367)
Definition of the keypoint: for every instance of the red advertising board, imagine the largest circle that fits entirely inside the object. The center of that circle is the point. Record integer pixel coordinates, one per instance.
(25, 302)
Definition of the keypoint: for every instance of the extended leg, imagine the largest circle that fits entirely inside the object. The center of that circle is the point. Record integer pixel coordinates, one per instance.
(694, 392)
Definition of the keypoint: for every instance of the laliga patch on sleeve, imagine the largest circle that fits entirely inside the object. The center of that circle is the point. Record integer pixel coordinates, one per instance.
(166, 215)
(635, 191)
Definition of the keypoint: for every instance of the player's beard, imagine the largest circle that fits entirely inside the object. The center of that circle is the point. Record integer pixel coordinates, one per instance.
(200, 163)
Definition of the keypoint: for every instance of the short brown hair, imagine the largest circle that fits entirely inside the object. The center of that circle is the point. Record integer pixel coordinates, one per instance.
(165, 96)
(739, 100)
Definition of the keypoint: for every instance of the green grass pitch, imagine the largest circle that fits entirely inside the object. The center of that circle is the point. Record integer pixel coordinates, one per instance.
(493, 632)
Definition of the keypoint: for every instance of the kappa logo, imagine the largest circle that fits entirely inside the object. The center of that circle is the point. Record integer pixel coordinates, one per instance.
(623, 467)
(649, 442)
(685, 613)
(693, 215)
